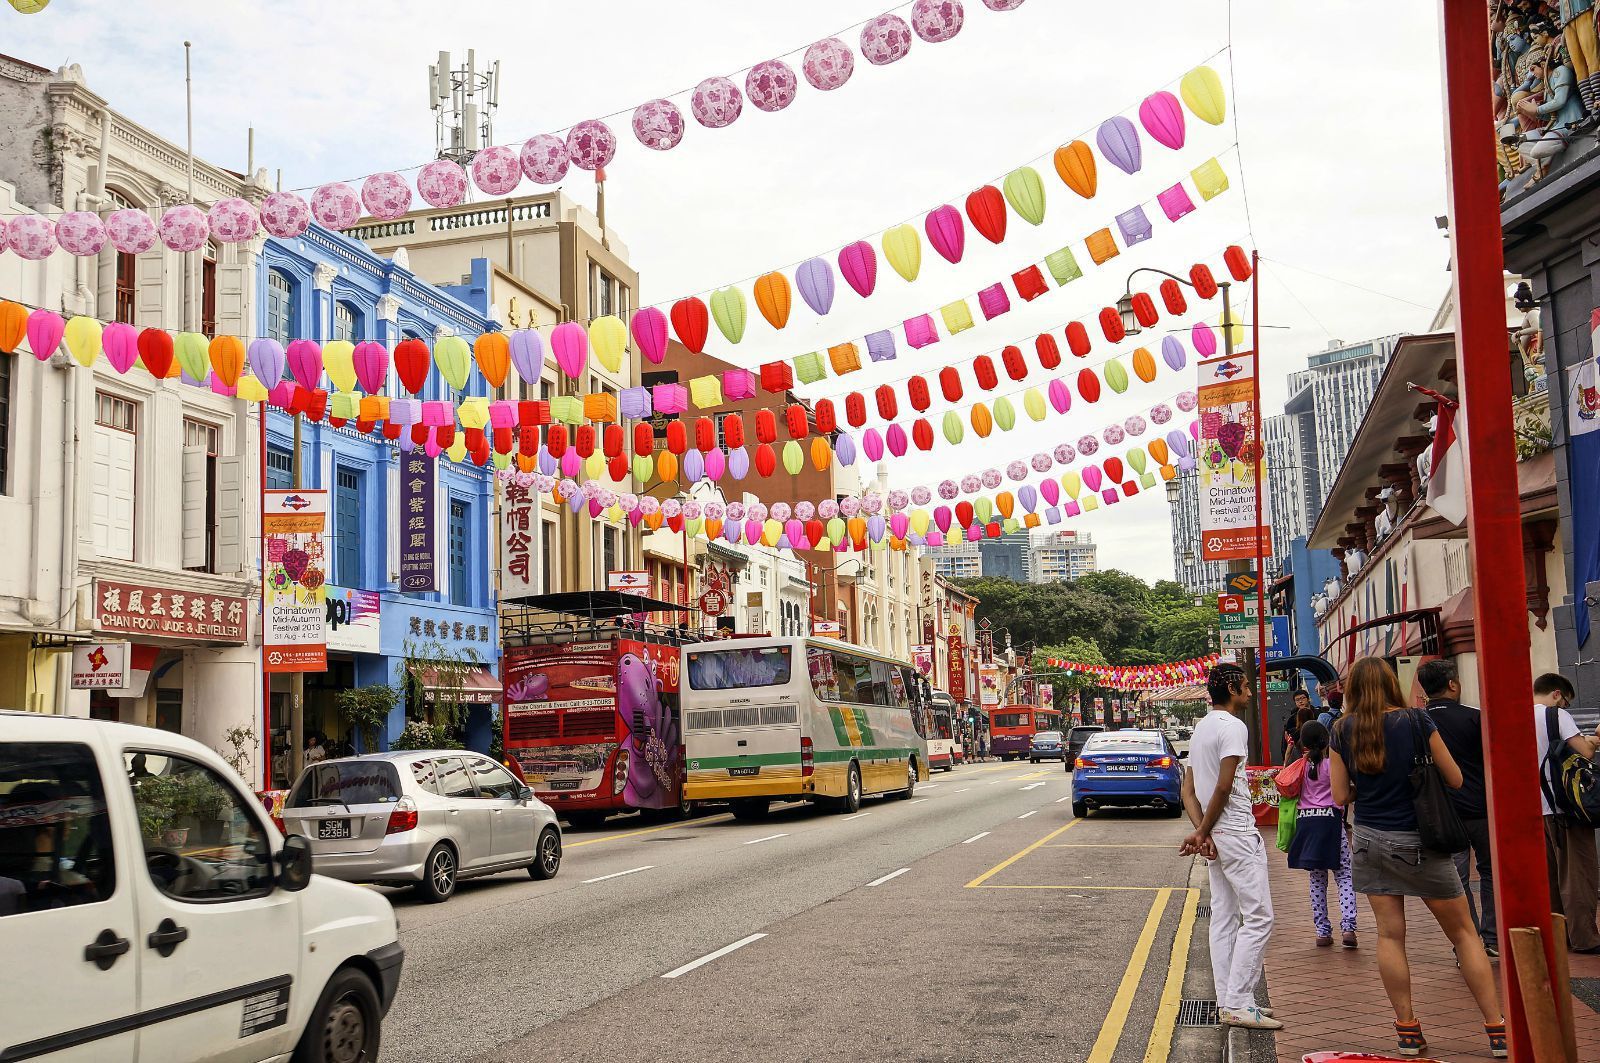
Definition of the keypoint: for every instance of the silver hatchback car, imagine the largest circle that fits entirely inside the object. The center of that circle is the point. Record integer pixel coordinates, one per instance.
(426, 818)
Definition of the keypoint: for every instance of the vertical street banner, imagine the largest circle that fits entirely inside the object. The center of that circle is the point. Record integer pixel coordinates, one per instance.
(518, 525)
(958, 668)
(922, 659)
(294, 581)
(418, 529)
(1583, 477)
(1229, 461)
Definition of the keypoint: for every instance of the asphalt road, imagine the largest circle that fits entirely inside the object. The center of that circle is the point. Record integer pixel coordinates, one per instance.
(977, 921)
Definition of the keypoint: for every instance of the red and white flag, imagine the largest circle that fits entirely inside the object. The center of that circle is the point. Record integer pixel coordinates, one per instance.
(1447, 472)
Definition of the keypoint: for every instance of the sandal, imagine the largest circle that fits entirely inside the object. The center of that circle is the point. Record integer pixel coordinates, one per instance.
(1412, 1043)
(1497, 1039)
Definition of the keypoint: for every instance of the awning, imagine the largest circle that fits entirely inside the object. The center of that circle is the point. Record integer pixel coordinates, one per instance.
(1185, 692)
(473, 685)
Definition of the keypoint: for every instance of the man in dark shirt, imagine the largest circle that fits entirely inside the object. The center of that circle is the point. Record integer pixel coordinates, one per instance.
(1461, 727)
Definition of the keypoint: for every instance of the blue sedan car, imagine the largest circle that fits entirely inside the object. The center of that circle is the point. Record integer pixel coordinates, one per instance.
(1127, 769)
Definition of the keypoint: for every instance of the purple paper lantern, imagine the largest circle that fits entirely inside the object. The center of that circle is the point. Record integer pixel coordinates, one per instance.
(496, 170)
(183, 228)
(545, 159)
(591, 144)
(527, 353)
(716, 102)
(814, 278)
(658, 124)
(233, 220)
(267, 362)
(1135, 226)
(1172, 352)
(1119, 143)
(386, 195)
(442, 183)
(828, 64)
(131, 231)
(880, 346)
(81, 232)
(937, 21)
(771, 85)
(885, 39)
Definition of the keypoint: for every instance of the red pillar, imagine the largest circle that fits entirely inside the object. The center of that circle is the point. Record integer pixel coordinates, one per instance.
(1505, 681)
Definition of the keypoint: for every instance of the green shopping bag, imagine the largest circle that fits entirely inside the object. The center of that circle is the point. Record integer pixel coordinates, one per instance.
(1288, 810)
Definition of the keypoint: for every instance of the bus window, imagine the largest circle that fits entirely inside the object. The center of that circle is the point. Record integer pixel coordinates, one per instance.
(1010, 719)
(824, 678)
(738, 669)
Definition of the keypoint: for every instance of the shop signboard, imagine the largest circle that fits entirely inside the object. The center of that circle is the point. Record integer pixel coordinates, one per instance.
(519, 541)
(295, 574)
(100, 666)
(419, 537)
(147, 611)
(958, 668)
(1230, 462)
(353, 620)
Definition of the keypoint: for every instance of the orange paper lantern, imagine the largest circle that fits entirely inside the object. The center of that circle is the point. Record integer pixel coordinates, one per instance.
(772, 298)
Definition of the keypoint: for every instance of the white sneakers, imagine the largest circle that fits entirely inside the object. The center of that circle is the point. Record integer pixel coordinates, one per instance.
(1250, 1018)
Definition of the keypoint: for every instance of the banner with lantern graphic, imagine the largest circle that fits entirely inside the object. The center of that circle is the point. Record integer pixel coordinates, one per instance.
(294, 632)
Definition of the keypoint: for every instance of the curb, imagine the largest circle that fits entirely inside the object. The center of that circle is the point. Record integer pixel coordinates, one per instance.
(1199, 1044)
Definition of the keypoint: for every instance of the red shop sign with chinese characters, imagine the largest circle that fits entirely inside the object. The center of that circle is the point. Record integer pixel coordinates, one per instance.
(958, 670)
(156, 612)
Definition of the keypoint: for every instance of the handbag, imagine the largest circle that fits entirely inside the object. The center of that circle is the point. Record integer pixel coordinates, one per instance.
(1437, 820)
(1290, 777)
(1288, 817)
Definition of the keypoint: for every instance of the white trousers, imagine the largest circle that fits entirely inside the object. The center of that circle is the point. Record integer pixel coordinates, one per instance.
(1241, 917)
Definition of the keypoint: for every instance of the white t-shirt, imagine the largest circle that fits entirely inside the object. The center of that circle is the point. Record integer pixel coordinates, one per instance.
(315, 754)
(1218, 736)
(1541, 739)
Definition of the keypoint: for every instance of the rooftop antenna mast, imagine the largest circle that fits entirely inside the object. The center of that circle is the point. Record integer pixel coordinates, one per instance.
(463, 101)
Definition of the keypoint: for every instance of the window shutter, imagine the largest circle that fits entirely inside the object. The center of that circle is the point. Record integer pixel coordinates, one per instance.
(391, 499)
(230, 514)
(194, 506)
(441, 536)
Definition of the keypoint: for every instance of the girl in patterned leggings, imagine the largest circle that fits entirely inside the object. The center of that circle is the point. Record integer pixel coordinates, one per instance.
(1320, 844)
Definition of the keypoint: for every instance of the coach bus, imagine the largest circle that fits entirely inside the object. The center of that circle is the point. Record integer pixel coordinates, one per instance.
(1012, 727)
(800, 719)
(944, 737)
(591, 714)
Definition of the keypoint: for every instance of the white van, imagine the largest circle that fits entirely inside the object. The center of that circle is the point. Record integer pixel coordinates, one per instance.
(149, 910)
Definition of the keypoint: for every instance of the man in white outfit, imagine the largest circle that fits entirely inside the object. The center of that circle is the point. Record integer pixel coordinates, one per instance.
(1226, 835)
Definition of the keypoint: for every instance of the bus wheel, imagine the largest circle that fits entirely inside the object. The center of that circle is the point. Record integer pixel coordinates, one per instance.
(911, 781)
(751, 808)
(850, 803)
(685, 808)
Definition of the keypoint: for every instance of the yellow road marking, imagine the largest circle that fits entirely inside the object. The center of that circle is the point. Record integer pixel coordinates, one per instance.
(1160, 1043)
(1008, 861)
(1105, 1045)
(647, 830)
(1102, 845)
(1122, 889)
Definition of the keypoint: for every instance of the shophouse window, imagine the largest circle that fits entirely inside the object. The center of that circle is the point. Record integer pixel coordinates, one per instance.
(280, 469)
(610, 548)
(347, 527)
(126, 280)
(460, 590)
(547, 555)
(346, 323)
(113, 471)
(281, 318)
(199, 496)
(602, 293)
(208, 291)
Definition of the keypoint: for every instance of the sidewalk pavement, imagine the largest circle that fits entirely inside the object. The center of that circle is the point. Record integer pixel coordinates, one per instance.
(1332, 999)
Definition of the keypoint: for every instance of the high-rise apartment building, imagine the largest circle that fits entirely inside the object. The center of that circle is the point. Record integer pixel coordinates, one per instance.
(957, 560)
(1061, 555)
(1005, 557)
(1197, 576)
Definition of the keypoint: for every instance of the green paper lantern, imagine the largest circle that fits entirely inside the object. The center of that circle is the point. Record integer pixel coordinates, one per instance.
(1136, 459)
(1063, 266)
(192, 352)
(694, 525)
(1033, 403)
(501, 461)
(1004, 414)
(794, 459)
(1009, 525)
(984, 508)
(1025, 192)
(836, 529)
(808, 368)
(454, 359)
(728, 309)
(568, 409)
(1116, 377)
(644, 467)
(953, 428)
(1147, 480)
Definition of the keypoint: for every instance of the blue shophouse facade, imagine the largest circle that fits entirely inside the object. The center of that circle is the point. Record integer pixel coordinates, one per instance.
(324, 286)
(1302, 576)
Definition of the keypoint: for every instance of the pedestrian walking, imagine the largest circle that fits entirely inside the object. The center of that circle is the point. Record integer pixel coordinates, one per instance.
(1333, 695)
(1569, 846)
(1320, 843)
(1461, 727)
(1225, 834)
(1379, 741)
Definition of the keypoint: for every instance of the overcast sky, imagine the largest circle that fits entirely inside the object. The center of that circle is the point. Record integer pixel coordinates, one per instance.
(1339, 134)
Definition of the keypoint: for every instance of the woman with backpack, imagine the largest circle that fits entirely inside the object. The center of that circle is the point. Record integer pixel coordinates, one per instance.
(1320, 844)
(1380, 743)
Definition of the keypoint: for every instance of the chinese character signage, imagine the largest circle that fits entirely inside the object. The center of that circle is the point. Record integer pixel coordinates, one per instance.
(100, 666)
(295, 573)
(141, 610)
(519, 526)
(417, 531)
(1230, 462)
(958, 669)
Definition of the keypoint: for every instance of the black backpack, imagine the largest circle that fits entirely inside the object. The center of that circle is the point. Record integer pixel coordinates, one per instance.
(1570, 780)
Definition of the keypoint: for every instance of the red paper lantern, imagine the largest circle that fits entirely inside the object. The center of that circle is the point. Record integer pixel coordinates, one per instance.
(337, 422)
(950, 384)
(555, 440)
(766, 426)
(1111, 324)
(528, 440)
(776, 377)
(1048, 350)
(705, 434)
(1077, 338)
(366, 427)
(1016, 368)
(532, 414)
(317, 404)
(964, 514)
(444, 435)
(1089, 386)
(155, 347)
(1238, 262)
(795, 415)
(502, 440)
(855, 409)
(677, 438)
(613, 441)
(888, 405)
(917, 391)
(766, 460)
(583, 440)
(922, 434)
(986, 208)
(827, 420)
(1172, 296)
(733, 430)
(992, 530)
(420, 434)
(391, 430)
(1029, 283)
(474, 439)
(1205, 285)
(411, 362)
(644, 439)
(1113, 468)
(689, 321)
(983, 369)
(1144, 310)
(618, 467)
(815, 530)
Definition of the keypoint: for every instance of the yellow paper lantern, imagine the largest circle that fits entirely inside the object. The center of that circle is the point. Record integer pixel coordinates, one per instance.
(1238, 330)
(83, 339)
(1033, 403)
(902, 246)
(473, 412)
(1091, 501)
(458, 449)
(608, 337)
(338, 361)
(770, 532)
(919, 521)
(250, 390)
(1071, 484)
(957, 316)
(594, 466)
(1201, 89)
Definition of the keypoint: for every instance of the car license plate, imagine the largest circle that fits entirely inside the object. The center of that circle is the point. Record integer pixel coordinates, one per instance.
(739, 772)
(333, 828)
(1124, 767)
(564, 784)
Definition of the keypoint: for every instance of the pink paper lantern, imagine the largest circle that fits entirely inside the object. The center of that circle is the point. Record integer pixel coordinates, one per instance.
(32, 237)
(120, 342)
(496, 171)
(545, 159)
(771, 85)
(183, 228)
(336, 206)
(571, 346)
(1002, 5)
(1162, 117)
(716, 102)
(285, 215)
(658, 124)
(937, 21)
(233, 220)
(885, 39)
(131, 231)
(81, 232)
(591, 144)
(442, 183)
(649, 328)
(2, 235)
(859, 264)
(920, 331)
(386, 195)
(946, 232)
(45, 327)
(828, 64)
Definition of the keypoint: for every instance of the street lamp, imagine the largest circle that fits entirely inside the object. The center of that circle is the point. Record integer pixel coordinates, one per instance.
(1130, 320)
(1172, 491)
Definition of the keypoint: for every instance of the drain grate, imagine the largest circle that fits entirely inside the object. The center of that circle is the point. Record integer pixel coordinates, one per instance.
(1195, 1012)
(1202, 911)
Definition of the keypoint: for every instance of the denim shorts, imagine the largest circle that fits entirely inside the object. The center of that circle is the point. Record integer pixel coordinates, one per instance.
(1393, 863)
